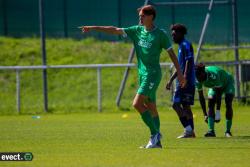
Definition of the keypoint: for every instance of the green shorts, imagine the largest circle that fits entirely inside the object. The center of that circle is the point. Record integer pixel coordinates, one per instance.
(148, 85)
(228, 89)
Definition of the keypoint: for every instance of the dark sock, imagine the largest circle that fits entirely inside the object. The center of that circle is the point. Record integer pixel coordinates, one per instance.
(156, 121)
(211, 123)
(184, 121)
(228, 125)
(191, 123)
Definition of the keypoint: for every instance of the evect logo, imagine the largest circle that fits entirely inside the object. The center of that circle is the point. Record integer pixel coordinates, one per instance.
(144, 43)
(16, 156)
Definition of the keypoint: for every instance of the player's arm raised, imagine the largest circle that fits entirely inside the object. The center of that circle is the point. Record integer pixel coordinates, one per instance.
(105, 29)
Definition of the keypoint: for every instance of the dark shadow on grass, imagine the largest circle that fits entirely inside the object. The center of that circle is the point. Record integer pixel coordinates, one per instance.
(243, 139)
(233, 138)
(222, 137)
(208, 148)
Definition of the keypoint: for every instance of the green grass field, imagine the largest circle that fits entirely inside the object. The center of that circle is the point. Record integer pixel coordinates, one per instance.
(92, 139)
(74, 134)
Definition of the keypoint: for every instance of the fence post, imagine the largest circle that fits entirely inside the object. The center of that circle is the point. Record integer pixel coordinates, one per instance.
(43, 52)
(99, 88)
(18, 91)
(236, 44)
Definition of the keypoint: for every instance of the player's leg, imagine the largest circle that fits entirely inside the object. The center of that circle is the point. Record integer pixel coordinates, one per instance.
(229, 113)
(156, 119)
(189, 129)
(211, 113)
(187, 100)
(154, 82)
(148, 86)
(178, 108)
(229, 96)
(182, 100)
(154, 113)
(138, 104)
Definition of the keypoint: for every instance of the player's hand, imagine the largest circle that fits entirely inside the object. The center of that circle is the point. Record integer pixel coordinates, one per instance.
(168, 85)
(182, 81)
(206, 118)
(85, 29)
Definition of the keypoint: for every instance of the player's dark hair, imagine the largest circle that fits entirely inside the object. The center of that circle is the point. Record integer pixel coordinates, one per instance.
(200, 67)
(200, 72)
(148, 10)
(179, 28)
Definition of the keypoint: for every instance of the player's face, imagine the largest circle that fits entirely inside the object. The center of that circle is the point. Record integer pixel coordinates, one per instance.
(145, 19)
(176, 36)
(201, 77)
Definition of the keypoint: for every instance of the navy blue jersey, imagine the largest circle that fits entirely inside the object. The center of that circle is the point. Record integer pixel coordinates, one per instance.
(186, 52)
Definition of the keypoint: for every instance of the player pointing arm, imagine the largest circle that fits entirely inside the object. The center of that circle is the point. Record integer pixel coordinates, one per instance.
(148, 43)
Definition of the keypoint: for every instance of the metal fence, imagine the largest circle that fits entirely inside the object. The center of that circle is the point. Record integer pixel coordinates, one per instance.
(98, 68)
(229, 66)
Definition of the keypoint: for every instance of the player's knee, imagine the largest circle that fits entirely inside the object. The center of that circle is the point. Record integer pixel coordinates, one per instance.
(211, 104)
(211, 112)
(178, 109)
(188, 111)
(229, 115)
(229, 112)
(136, 104)
(175, 106)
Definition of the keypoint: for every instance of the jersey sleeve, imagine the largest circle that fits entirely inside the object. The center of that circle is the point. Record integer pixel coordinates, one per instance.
(130, 32)
(188, 51)
(165, 43)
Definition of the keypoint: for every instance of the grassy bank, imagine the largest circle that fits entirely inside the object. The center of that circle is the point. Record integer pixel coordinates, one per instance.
(72, 90)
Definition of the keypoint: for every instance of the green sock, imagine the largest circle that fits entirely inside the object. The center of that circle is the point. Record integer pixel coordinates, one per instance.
(211, 123)
(148, 120)
(228, 125)
(157, 122)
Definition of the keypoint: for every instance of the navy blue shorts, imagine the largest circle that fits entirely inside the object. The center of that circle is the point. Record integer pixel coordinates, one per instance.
(184, 95)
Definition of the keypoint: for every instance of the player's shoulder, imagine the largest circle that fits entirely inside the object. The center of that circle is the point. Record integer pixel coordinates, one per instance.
(162, 31)
(135, 27)
(185, 43)
(213, 68)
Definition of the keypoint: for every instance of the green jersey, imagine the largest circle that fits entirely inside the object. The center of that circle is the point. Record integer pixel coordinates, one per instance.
(216, 78)
(148, 46)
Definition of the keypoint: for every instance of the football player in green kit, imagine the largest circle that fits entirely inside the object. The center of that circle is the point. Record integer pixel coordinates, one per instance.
(218, 81)
(148, 41)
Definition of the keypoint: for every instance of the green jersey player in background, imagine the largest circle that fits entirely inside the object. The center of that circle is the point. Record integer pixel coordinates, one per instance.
(218, 81)
(148, 41)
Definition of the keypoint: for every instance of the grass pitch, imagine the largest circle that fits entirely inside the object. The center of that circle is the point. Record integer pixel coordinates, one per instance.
(111, 140)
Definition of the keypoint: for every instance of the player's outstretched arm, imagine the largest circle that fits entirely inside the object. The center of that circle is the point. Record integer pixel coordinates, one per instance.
(180, 76)
(104, 29)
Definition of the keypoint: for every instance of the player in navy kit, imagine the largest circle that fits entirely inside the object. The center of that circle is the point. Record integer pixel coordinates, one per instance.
(184, 97)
